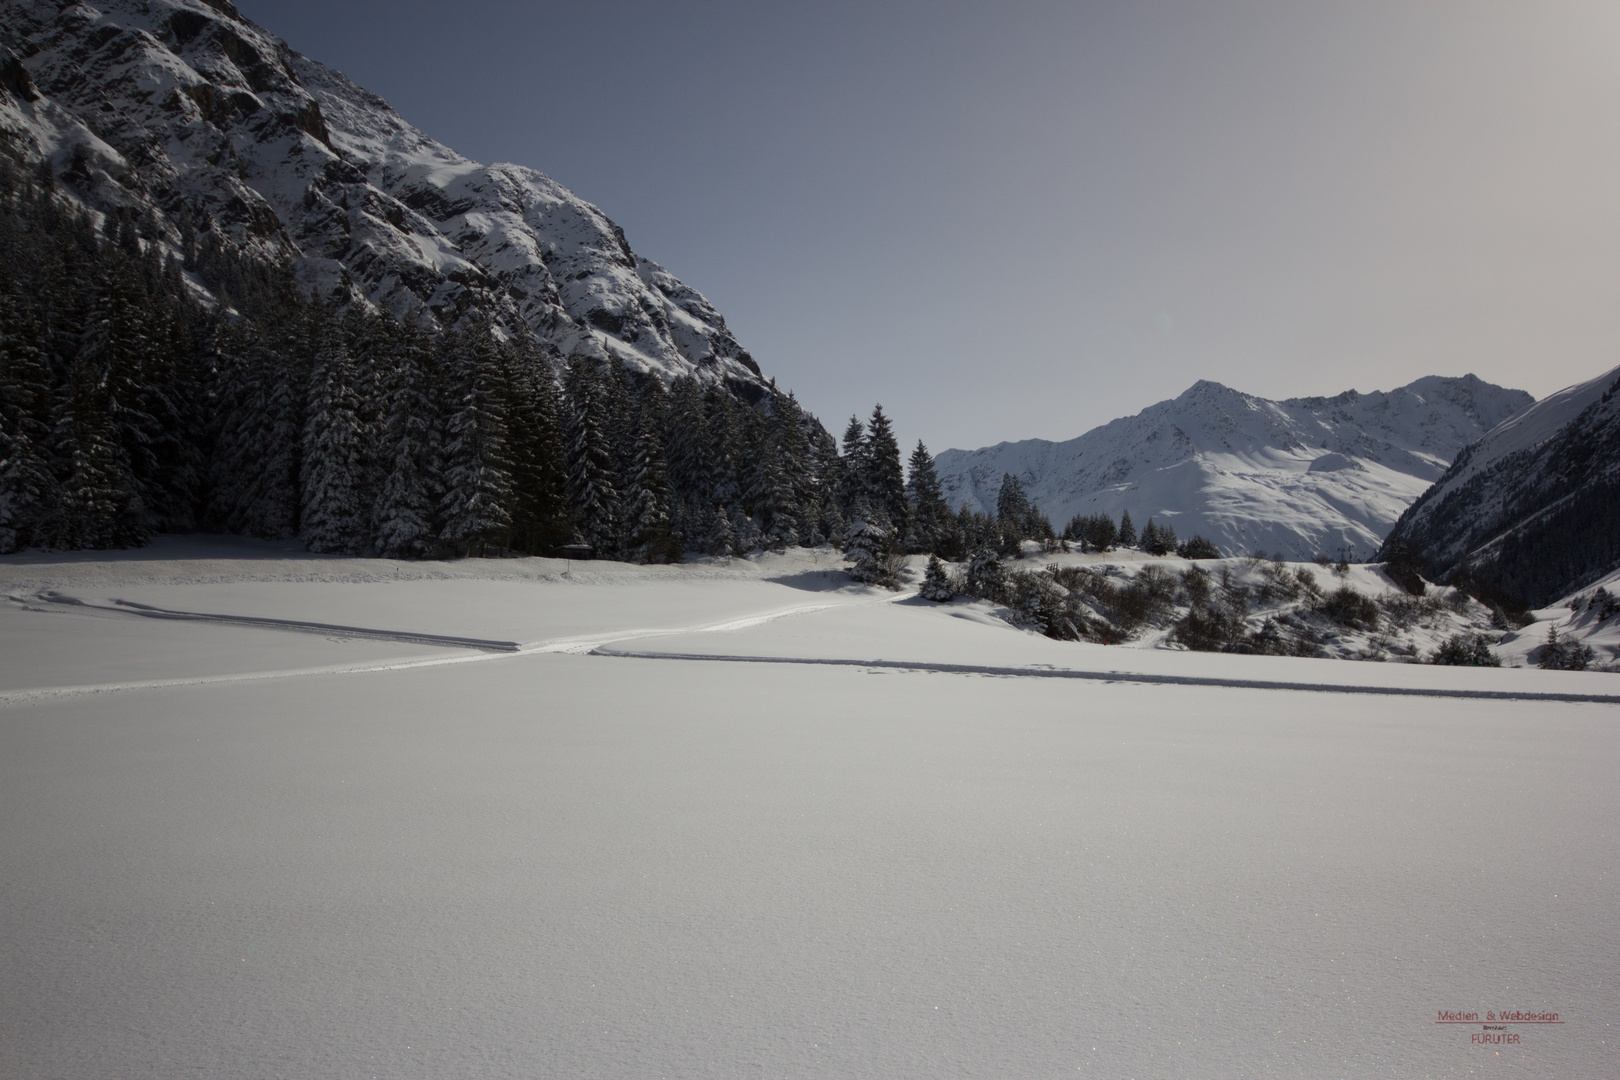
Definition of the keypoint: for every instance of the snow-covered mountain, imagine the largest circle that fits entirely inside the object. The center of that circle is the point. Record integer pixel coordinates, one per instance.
(196, 121)
(1533, 507)
(1301, 476)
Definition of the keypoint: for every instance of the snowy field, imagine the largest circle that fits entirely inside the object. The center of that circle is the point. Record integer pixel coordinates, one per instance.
(353, 818)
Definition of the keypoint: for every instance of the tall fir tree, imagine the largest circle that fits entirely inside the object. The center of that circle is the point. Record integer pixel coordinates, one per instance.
(334, 511)
(1127, 531)
(593, 495)
(648, 537)
(927, 512)
(406, 510)
(885, 482)
(476, 506)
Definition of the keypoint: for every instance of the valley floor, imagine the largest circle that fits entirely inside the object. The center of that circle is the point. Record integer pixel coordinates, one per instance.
(270, 814)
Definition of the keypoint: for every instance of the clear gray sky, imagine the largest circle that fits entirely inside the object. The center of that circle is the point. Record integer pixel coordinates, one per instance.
(1006, 220)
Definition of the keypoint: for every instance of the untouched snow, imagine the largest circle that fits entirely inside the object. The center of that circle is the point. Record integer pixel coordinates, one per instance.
(1301, 477)
(554, 862)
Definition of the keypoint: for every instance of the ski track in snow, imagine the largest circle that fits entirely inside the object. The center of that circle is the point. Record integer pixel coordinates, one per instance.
(1046, 672)
(480, 648)
(598, 644)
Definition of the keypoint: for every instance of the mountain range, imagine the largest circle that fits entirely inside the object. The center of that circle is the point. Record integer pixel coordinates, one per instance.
(206, 128)
(1301, 477)
(1532, 510)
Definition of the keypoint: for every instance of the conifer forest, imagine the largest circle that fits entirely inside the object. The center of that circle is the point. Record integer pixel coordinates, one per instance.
(130, 406)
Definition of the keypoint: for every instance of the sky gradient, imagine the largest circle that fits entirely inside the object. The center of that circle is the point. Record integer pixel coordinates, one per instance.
(1015, 220)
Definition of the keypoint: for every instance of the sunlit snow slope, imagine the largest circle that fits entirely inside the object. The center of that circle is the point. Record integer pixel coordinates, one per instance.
(1301, 476)
(199, 122)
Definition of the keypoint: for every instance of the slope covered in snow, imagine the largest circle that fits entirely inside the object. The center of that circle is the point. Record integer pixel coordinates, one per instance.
(1300, 477)
(205, 128)
(1532, 508)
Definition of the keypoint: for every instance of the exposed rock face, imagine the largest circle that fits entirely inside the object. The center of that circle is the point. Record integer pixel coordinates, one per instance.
(1303, 476)
(1533, 508)
(198, 121)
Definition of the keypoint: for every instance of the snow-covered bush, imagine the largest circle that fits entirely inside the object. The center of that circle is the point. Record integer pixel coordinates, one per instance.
(936, 585)
(869, 547)
(1349, 608)
(1467, 650)
(1561, 654)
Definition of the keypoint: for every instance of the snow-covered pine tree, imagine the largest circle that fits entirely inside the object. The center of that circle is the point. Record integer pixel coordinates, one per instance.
(28, 497)
(407, 505)
(100, 508)
(852, 468)
(1127, 531)
(885, 482)
(540, 518)
(936, 586)
(476, 506)
(648, 537)
(927, 511)
(771, 497)
(334, 512)
(725, 447)
(686, 439)
(986, 577)
(745, 530)
(28, 490)
(720, 541)
(593, 497)
(869, 543)
(113, 349)
(797, 459)
(1012, 513)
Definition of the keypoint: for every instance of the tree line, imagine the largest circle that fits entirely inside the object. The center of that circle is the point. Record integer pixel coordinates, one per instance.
(130, 404)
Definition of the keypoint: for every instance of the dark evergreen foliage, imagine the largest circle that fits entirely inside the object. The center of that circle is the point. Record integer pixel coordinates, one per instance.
(128, 406)
(1467, 650)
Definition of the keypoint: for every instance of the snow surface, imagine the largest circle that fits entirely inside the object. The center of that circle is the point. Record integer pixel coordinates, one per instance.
(1301, 477)
(553, 862)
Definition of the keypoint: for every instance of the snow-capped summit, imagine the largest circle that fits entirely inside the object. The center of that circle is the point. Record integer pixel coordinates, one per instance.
(197, 121)
(1302, 476)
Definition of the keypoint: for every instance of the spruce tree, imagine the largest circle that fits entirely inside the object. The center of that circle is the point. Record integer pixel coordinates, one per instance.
(725, 445)
(536, 450)
(868, 545)
(720, 540)
(407, 505)
(334, 513)
(885, 483)
(28, 497)
(927, 511)
(852, 468)
(593, 497)
(1127, 531)
(100, 508)
(648, 536)
(936, 586)
(476, 505)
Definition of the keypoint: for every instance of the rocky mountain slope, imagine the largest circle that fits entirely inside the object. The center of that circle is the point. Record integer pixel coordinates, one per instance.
(1533, 508)
(1300, 477)
(206, 128)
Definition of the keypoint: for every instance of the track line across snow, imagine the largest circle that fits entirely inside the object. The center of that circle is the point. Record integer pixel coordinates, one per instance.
(1126, 676)
(481, 649)
(295, 625)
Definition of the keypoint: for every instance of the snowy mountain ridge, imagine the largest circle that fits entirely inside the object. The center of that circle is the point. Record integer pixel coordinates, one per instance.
(1532, 507)
(190, 118)
(1300, 477)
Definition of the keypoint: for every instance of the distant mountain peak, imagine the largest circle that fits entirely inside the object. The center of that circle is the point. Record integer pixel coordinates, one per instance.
(1300, 476)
